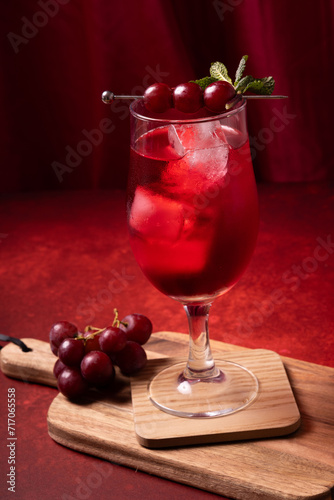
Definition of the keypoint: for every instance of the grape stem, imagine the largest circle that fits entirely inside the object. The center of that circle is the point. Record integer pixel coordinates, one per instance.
(92, 335)
(116, 321)
(95, 330)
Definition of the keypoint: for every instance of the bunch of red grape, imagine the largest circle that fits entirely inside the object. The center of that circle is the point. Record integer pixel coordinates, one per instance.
(88, 359)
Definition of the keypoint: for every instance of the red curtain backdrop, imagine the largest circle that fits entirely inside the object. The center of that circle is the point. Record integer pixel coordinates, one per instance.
(57, 56)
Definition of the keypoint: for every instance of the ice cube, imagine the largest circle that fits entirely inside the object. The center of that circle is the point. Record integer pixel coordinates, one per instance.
(196, 171)
(193, 136)
(189, 254)
(175, 142)
(155, 216)
(213, 161)
(179, 235)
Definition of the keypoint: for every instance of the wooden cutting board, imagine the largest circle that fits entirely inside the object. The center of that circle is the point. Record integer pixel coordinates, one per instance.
(298, 466)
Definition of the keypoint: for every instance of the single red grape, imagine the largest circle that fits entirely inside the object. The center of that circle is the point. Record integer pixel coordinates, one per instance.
(131, 359)
(58, 368)
(71, 352)
(71, 383)
(92, 344)
(188, 97)
(137, 327)
(60, 331)
(112, 340)
(96, 367)
(158, 98)
(217, 94)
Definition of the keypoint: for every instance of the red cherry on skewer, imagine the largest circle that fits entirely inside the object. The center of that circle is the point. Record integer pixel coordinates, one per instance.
(188, 97)
(217, 94)
(158, 98)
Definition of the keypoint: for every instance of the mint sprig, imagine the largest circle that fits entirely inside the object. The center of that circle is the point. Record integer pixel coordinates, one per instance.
(218, 71)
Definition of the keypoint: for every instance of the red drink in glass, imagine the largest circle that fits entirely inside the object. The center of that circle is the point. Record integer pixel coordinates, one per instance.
(192, 208)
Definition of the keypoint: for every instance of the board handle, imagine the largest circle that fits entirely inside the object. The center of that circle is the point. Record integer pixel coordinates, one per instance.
(32, 365)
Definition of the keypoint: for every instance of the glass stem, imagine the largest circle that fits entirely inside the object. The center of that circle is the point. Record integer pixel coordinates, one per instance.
(200, 361)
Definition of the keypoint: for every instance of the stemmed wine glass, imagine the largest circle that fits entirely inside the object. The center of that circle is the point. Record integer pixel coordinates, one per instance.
(193, 220)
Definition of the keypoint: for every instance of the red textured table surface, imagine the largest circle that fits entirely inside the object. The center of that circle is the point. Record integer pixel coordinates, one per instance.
(65, 255)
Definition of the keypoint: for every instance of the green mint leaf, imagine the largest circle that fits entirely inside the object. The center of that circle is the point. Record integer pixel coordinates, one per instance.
(243, 84)
(204, 82)
(261, 86)
(219, 72)
(240, 69)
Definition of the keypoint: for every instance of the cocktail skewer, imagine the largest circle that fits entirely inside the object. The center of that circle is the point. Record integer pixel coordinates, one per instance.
(264, 96)
(108, 97)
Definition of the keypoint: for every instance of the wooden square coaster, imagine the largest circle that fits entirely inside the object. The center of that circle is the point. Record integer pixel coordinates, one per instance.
(274, 412)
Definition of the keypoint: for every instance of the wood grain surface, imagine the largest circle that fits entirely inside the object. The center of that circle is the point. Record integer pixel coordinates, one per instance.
(298, 466)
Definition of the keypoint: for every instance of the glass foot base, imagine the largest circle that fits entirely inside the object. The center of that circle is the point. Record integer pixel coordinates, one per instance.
(233, 389)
